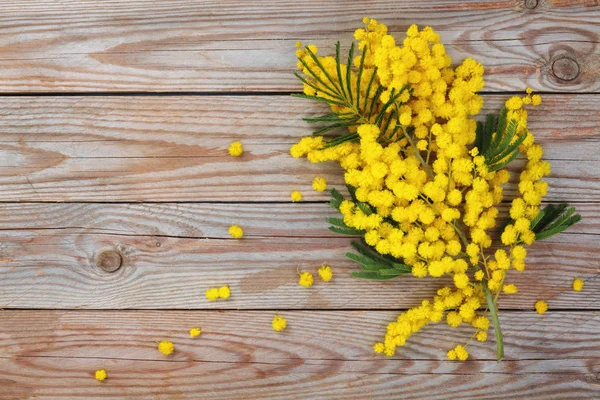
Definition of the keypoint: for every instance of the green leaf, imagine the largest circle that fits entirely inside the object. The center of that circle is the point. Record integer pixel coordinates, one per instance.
(371, 254)
(324, 70)
(348, 137)
(349, 72)
(338, 67)
(337, 222)
(553, 219)
(337, 195)
(346, 231)
(392, 271)
(373, 276)
(366, 263)
(359, 76)
(479, 136)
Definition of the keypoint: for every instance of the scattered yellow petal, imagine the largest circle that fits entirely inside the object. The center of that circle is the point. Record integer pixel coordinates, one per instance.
(224, 292)
(166, 347)
(236, 149)
(541, 306)
(325, 273)
(194, 332)
(101, 375)
(296, 196)
(278, 323)
(212, 294)
(319, 184)
(236, 232)
(578, 285)
(306, 279)
(510, 289)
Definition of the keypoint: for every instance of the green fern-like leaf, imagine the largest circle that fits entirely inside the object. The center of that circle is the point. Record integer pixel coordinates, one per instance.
(340, 92)
(497, 140)
(553, 219)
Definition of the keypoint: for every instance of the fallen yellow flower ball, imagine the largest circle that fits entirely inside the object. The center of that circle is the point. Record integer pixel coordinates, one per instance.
(166, 347)
(296, 196)
(101, 375)
(325, 273)
(306, 279)
(319, 184)
(458, 352)
(578, 285)
(236, 149)
(279, 323)
(194, 332)
(224, 292)
(236, 232)
(541, 307)
(212, 294)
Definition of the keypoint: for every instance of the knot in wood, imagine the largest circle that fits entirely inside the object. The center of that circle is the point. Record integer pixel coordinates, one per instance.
(109, 261)
(565, 69)
(531, 4)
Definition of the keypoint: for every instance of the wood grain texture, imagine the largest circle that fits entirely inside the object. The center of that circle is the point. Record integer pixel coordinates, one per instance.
(58, 378)
(204, 221)
(53, 354)
(59, 269)
(184, 45)
(147, 149)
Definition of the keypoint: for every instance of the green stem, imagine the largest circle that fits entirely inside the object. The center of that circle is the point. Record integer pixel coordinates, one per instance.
(494, 313)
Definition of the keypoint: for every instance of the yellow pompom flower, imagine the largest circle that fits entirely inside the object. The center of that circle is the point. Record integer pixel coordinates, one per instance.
(236, 149)
(578, 284)
(481, 336)
(236, 232)
(194, 332)
(224, 292)
(378, 347)
(212, 294)
(461, 353)
(541, 306)
(536, 100)
(510, 289)
(319, 184)
(479, 275)
(306, 279)
(101, 375)
(451, 354)
(325, 273)
(279, 323)
(296, 196)
(166, 347)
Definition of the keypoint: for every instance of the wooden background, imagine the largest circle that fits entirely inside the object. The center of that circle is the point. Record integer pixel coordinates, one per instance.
(115, 118)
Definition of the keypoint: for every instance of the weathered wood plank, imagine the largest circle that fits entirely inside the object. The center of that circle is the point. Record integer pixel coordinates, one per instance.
(59, 269)
(146, 149)
(52, 378)
(204, 220)
(49, 354)
(240, 46)
(246, 336)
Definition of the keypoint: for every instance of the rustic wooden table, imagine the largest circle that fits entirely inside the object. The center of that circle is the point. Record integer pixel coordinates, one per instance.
(116, 194)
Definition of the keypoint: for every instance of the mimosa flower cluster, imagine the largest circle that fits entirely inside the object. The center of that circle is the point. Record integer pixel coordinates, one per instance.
(425, 177)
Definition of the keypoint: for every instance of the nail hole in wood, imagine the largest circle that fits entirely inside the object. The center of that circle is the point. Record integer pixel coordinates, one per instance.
(531, 4)
(565, 69)
(109, 261)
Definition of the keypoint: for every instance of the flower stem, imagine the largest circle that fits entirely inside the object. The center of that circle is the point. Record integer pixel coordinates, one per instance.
(494, 313)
